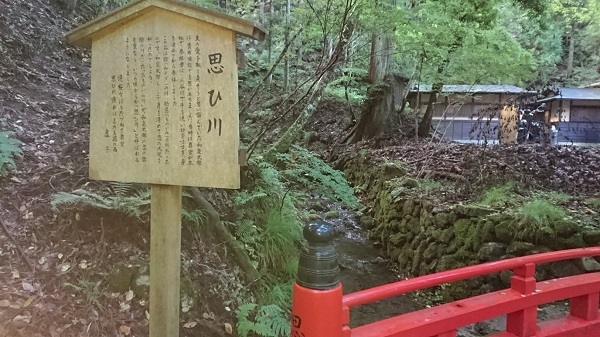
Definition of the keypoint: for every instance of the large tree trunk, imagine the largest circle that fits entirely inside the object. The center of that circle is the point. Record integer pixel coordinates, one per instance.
(376, 114)
(425, 124)
(379, 106)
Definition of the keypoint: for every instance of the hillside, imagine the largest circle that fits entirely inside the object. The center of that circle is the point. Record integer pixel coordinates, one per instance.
(62, 271)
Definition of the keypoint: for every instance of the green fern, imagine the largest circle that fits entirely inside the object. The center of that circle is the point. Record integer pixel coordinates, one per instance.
(269, 225)
(198, 217)
(9, 150)
(306, 169)
(120, 199)
(268, 321)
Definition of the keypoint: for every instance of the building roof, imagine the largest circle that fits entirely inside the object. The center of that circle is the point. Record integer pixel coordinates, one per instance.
(83, 35)
(476, 88)
(574, 94)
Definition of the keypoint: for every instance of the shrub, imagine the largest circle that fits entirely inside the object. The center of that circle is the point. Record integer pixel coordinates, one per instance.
(9, 150)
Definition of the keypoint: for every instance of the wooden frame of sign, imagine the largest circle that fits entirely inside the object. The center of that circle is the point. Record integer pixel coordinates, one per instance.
(164, 111)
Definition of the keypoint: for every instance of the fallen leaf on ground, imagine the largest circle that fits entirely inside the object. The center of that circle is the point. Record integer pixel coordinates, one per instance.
(15, 274)
(129, 295)
(4, 303)
(28, 302)
(28, 287)
(124, 329)
(21, 319)
(190, 325)
(64, 267)
(124, 306)
(228, 328)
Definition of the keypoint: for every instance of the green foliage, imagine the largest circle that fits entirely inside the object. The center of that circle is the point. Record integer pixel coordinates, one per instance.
(9, 150)
(541, 213)
(460, 42)
(91, 291)
(269, 225)
(498, 195)
(538, 34)
(304, 168)
(278, 238)
(267, 321)
(120, 197)
(539, 216)
(349, 87)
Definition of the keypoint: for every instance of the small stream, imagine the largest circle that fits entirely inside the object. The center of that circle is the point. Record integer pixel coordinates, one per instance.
(363, 267)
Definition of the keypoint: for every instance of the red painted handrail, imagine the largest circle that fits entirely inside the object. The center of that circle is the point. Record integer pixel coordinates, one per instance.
(448, 317)
(427, 281)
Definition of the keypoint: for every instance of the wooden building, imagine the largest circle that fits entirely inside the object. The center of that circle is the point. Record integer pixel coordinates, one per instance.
(473, 112)
(576, 114)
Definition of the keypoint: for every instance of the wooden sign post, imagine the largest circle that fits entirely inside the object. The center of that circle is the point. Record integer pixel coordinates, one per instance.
(164, 111)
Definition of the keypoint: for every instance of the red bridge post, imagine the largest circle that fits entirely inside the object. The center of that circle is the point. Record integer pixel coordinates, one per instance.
(317, 293)
(523, 323)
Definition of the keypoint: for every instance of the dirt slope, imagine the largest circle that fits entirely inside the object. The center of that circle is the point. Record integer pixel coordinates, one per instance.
(56, 267)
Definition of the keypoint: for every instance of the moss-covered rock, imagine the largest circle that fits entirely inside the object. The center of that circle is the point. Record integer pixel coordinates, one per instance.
(395, 254)
(505, 231)
(519, 248)
(592, 237)
(418, 258)
(431, 253)
(332, 214)
(488, 231)
(444, 219)
(564, 268)
(473, 211)
(447, 235)
(393, 170)
(491, 251)
(398, 239)
(574, 241)
(366, 222)
(566, 228)
(405, 258)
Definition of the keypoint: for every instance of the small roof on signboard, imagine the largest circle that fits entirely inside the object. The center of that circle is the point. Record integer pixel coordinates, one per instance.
(82, 36)
(473, 89)
(584, 94)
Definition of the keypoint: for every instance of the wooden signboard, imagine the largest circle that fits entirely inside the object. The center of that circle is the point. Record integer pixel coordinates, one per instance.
(164, 111)
(164, 101)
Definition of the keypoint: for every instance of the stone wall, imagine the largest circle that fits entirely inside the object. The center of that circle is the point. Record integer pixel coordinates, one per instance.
(422, 237)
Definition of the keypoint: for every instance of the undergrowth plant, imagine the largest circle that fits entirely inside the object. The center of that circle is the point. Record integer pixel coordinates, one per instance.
(270, 228)
(267, 320)
(306, 169)
(498, 195)
(539, 216)
(119, 197)
(269, 225)
(9, 150)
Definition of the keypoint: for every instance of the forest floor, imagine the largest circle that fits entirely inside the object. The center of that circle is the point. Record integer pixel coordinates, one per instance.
(55, 264)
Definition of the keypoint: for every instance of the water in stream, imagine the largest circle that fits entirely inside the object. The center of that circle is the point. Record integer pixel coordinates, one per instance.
(363, 267)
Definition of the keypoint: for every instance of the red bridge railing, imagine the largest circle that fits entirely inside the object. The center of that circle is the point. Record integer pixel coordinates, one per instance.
(324, 312)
